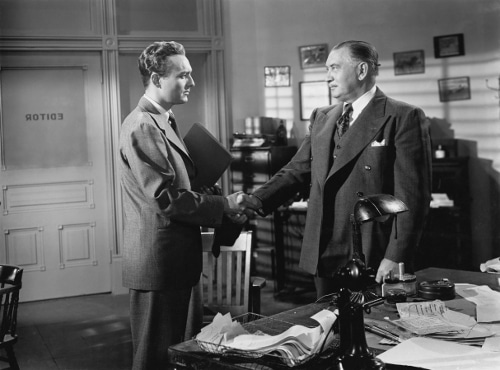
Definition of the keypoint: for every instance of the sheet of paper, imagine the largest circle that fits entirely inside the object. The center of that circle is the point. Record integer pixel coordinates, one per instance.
(487, 301)
(492, 344)
(440, 355)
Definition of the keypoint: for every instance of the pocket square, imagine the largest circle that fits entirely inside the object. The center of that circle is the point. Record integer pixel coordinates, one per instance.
(379, 143)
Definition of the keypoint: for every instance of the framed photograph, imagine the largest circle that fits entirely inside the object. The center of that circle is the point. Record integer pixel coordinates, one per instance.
(313, 94)
(449, 46)
(276, 76)
(409, 62)
(457, 88)
(313, 56)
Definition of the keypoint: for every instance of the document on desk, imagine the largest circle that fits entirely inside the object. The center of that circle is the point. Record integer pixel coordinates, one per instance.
(435, 354)
(434, 319)
(486, 299)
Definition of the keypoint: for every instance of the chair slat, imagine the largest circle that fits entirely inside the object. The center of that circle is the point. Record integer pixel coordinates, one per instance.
(228, 276)
(229, 279)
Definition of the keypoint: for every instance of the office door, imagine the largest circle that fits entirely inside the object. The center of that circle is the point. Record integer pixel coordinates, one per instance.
(56, 207)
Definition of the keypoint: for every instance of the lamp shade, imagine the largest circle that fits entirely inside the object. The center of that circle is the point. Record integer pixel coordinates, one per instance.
(377, 207)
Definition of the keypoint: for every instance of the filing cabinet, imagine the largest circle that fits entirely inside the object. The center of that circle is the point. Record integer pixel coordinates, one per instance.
(250, 168)
(446, 241)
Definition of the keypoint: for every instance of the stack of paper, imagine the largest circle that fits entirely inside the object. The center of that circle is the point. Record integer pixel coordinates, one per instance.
(434, 319)
(293, 346)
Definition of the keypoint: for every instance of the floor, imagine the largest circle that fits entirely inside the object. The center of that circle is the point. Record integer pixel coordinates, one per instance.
(93, 332)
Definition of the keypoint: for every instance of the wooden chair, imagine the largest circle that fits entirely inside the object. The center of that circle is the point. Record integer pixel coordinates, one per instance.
(226, 281)
(10, 285)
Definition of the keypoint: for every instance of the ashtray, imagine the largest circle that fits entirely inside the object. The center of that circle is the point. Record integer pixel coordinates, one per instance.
(437, 289)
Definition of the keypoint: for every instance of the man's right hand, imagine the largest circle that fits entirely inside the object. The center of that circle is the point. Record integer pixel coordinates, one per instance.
(234, 210)
(249, 201)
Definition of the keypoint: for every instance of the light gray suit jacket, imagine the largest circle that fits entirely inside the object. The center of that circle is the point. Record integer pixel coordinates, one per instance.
(162, 216)
(387, 150)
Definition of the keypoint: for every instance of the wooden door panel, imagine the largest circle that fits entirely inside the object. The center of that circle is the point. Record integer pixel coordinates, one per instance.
(56, 209)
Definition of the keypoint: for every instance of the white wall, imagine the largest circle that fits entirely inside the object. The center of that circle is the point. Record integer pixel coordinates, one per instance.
(268, 32)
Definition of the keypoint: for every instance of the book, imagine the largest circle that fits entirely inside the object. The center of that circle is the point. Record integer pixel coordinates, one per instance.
(210, 157)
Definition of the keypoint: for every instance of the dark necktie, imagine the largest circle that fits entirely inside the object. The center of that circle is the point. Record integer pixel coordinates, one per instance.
(173, 124)
(343, 121)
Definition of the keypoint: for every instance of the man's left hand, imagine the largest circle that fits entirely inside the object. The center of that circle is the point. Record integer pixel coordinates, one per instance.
(385, 268)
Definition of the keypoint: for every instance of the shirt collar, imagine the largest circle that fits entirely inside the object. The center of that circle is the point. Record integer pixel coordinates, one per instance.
(158, 107)
(362, 102)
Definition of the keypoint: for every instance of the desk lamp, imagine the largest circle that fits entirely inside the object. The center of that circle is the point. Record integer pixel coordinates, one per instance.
(354, 278)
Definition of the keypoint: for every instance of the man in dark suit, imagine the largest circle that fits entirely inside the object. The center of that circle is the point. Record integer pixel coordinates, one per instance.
(386, 149)
(162, 253)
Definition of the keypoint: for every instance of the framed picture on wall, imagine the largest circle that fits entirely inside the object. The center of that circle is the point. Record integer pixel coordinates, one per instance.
(457, 88)
(449, 46)
(276, 76)
(313, 94)
(409, 62)
(313, 56)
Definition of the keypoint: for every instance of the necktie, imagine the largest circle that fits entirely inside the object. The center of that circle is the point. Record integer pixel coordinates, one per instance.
(343, 121)
(173, 124)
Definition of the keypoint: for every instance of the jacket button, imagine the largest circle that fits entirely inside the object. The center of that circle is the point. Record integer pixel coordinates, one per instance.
(335, 156)
(368, 168)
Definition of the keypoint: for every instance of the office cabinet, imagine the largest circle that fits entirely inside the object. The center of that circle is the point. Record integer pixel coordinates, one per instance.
(250, 168)
(446, 241)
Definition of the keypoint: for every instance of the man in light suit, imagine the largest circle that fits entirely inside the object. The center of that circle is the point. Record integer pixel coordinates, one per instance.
(386, 149)
(162, 255)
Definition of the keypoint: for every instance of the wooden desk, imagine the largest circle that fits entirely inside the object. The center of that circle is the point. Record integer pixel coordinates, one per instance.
(188, 355)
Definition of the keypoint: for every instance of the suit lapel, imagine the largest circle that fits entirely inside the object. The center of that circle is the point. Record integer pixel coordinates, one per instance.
(323, 143)
(362, 132)
(164, 126)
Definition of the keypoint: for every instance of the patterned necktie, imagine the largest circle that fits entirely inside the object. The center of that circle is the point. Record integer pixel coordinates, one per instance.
(343, 121)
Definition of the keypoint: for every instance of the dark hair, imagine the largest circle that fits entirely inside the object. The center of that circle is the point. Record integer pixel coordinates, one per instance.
(362, 51)
(155, 59)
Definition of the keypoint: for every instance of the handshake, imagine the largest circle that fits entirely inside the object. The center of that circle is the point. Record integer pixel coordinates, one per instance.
(240, 206)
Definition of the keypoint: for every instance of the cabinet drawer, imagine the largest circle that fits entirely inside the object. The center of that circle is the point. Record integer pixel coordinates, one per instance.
(244, 187)
(251, 161)
(249, 177)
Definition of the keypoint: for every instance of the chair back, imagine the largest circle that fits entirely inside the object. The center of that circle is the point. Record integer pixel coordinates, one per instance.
(226, 279)
(10, 285)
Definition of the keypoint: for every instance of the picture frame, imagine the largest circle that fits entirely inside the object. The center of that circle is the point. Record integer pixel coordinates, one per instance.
(449, 46)
(277, 76)
(409, 62)
(456, 88)
(313, 56)
(313, 94)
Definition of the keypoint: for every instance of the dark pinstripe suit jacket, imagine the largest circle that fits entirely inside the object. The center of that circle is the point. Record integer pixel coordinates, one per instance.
(387, 150)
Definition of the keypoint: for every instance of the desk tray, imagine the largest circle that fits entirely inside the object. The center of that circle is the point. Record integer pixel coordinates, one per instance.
(255, 323)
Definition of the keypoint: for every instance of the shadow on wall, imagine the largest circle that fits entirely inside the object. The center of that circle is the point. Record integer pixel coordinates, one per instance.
(484, 191)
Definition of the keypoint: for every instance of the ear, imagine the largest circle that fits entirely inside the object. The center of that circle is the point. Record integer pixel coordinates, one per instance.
(155, 78)
(362, 70)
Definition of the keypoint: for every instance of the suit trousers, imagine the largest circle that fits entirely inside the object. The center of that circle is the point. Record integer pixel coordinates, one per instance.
(157, 320)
